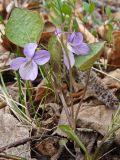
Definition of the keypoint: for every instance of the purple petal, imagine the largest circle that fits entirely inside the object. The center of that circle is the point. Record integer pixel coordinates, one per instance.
(71, 58)
(70, 37)
(28, 70)
(58, 32)
(29, 49)
(17, 62)
(41, 57)
(82, 49)
(76, 38)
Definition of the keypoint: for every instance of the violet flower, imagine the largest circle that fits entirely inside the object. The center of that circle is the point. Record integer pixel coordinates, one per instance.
(75, 45)
(28, 66)
(58, 32)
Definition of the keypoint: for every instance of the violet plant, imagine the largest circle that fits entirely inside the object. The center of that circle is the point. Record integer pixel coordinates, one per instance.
(72, 44)
(28, 65)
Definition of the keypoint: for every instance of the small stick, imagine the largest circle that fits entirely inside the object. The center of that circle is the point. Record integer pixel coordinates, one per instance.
(21, 142)
(11, 157)
(107, 153)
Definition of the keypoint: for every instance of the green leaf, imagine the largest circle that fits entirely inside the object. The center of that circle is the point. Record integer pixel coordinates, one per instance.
(86, 6)
(108, 11)
(109, 32)
(72, 3)
(55, 49)
(66, 9)
(75, 26)
(94, 32)
(55, 15)
(91, 7)
(59, 7)
(1, 19)
(86, 62)
(71, 134)
(96, 20)
(24, 27)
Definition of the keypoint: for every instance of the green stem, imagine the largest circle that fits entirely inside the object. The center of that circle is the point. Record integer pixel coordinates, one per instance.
(30, 95)
(42, 71)
(21, 96)
(50, 81)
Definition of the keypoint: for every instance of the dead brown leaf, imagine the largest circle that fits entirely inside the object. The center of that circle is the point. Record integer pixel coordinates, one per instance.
(97, 118)
(112, 83)
(43, 93)
(50, 116)
(88, 138)
(2, 104)
(1, 7)
(102, 31)
(9, 46)
(116, 15)
(33, 5)
(88, 36)
(48, 146)
(40, 93)
(114, 57)
(49, 30)
(11, 130)
(116, 40)
(4, 59)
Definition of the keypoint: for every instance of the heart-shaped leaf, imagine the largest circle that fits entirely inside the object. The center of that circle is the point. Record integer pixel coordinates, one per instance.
(86, 62)
(24, 27)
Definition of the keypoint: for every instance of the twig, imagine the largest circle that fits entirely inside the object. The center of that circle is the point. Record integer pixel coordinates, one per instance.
(104, 73)
(107, 153)
(13, 157)
(85, 89)
(21, 142)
